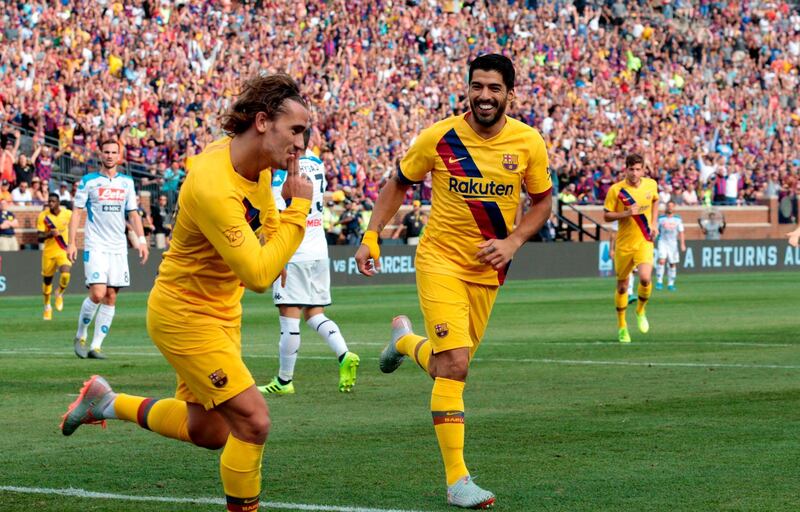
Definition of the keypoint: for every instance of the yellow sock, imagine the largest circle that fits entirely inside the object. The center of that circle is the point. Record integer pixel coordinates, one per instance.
(168, 416)
(644, 295)
(240, 468)
(417, 348)
(47, 290)
(447, 408)
(621, 301)
(63, 282)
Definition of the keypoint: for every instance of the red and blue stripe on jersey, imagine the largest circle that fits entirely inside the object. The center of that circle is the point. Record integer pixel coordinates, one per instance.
(640, 219)
(487, 214)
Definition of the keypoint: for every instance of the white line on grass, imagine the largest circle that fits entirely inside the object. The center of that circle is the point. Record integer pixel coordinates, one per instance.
(478, 359)
(80, 493)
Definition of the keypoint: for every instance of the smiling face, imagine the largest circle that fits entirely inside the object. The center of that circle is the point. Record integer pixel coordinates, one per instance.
(488, 97)
(282, 137)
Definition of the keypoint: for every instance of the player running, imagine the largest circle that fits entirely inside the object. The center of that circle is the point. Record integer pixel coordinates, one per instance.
(108, 197)
(194, 312)
(634, 203)
(52, 225)
(670, 231)
(305, 286)
(478, 163)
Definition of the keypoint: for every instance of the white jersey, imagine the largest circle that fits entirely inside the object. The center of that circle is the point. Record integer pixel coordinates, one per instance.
(314, 245)
(107, 202)
(668, 229)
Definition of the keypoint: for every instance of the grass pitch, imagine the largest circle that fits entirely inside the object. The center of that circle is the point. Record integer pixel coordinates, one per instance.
(703, 413)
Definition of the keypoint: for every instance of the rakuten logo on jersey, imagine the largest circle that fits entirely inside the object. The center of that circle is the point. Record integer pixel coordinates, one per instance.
(111, 195)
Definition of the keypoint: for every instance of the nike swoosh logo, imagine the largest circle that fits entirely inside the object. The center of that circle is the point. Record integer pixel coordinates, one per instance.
(452, 413)
(454, 160)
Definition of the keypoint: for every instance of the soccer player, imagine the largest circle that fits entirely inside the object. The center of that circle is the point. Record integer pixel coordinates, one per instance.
(614, 226)
(479, 161)
(305, 286)
(194, 312)
(670, 231)
(108, 197)
(52, 226)
(634, 203)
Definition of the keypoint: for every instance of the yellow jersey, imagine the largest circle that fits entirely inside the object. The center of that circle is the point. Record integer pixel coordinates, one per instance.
(215, 251)
(635, 230)
(47, 221)
(476, 191)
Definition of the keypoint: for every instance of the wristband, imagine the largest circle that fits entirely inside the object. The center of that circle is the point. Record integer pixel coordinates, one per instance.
(142, 240)
(370, 239)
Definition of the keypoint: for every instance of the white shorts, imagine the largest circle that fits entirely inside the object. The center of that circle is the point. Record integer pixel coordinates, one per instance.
(308, 283)
(669, 252)
(106, 268)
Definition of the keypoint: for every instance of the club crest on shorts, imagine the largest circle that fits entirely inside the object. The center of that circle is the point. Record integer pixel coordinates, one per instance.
(218, 378)
(510, 162)
(441, 330)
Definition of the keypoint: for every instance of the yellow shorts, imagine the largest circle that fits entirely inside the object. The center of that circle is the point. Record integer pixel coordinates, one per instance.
(456, 312)
(53, 261)
(207, 359)
(626, 261)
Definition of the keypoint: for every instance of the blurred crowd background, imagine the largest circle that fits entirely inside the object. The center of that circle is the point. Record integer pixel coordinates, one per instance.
(706, 90)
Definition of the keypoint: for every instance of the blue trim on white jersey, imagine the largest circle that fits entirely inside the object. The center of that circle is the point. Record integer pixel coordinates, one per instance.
(88, 208)
(90, 176)
(311, 158)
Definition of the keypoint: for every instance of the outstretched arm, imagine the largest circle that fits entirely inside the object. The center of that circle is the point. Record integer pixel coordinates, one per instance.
(387, 204)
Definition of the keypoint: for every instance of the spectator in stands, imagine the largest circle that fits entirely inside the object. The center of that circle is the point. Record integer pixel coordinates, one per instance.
(713, 226)
(24, 169)
(22, 195)
(38, 193)
(330, 223)
(172, 180)
(8, 157)
(5, 192)
(8, 240)
(350, 221)
(567, 196)
(64, 194)
(161, 220)
(411, 227)
(689, 196)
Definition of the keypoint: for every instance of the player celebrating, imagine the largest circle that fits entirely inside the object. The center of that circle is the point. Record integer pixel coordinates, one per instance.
(478, 162)
(52, 225)
(670, 230)
(305, 286)
(194, 312)
(634, 203)
(108, 197)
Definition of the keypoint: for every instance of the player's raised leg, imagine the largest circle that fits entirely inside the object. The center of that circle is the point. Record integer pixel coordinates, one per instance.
(329, 331)
(63, 282)
(644, 291)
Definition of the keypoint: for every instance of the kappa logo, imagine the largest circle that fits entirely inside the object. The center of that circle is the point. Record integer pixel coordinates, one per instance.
(111, 195)
(510, 162)
(277, 296)
(441, 330)
(218, 378)
(452, 160)
(235, 236)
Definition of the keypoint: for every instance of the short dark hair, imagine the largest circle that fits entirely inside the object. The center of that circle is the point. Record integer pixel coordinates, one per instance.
(495, 62)
(266, 94)
(633, 159)
(52, 195)
(109, 140)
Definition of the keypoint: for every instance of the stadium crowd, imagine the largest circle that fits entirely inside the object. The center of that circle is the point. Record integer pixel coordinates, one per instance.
(705, 90)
